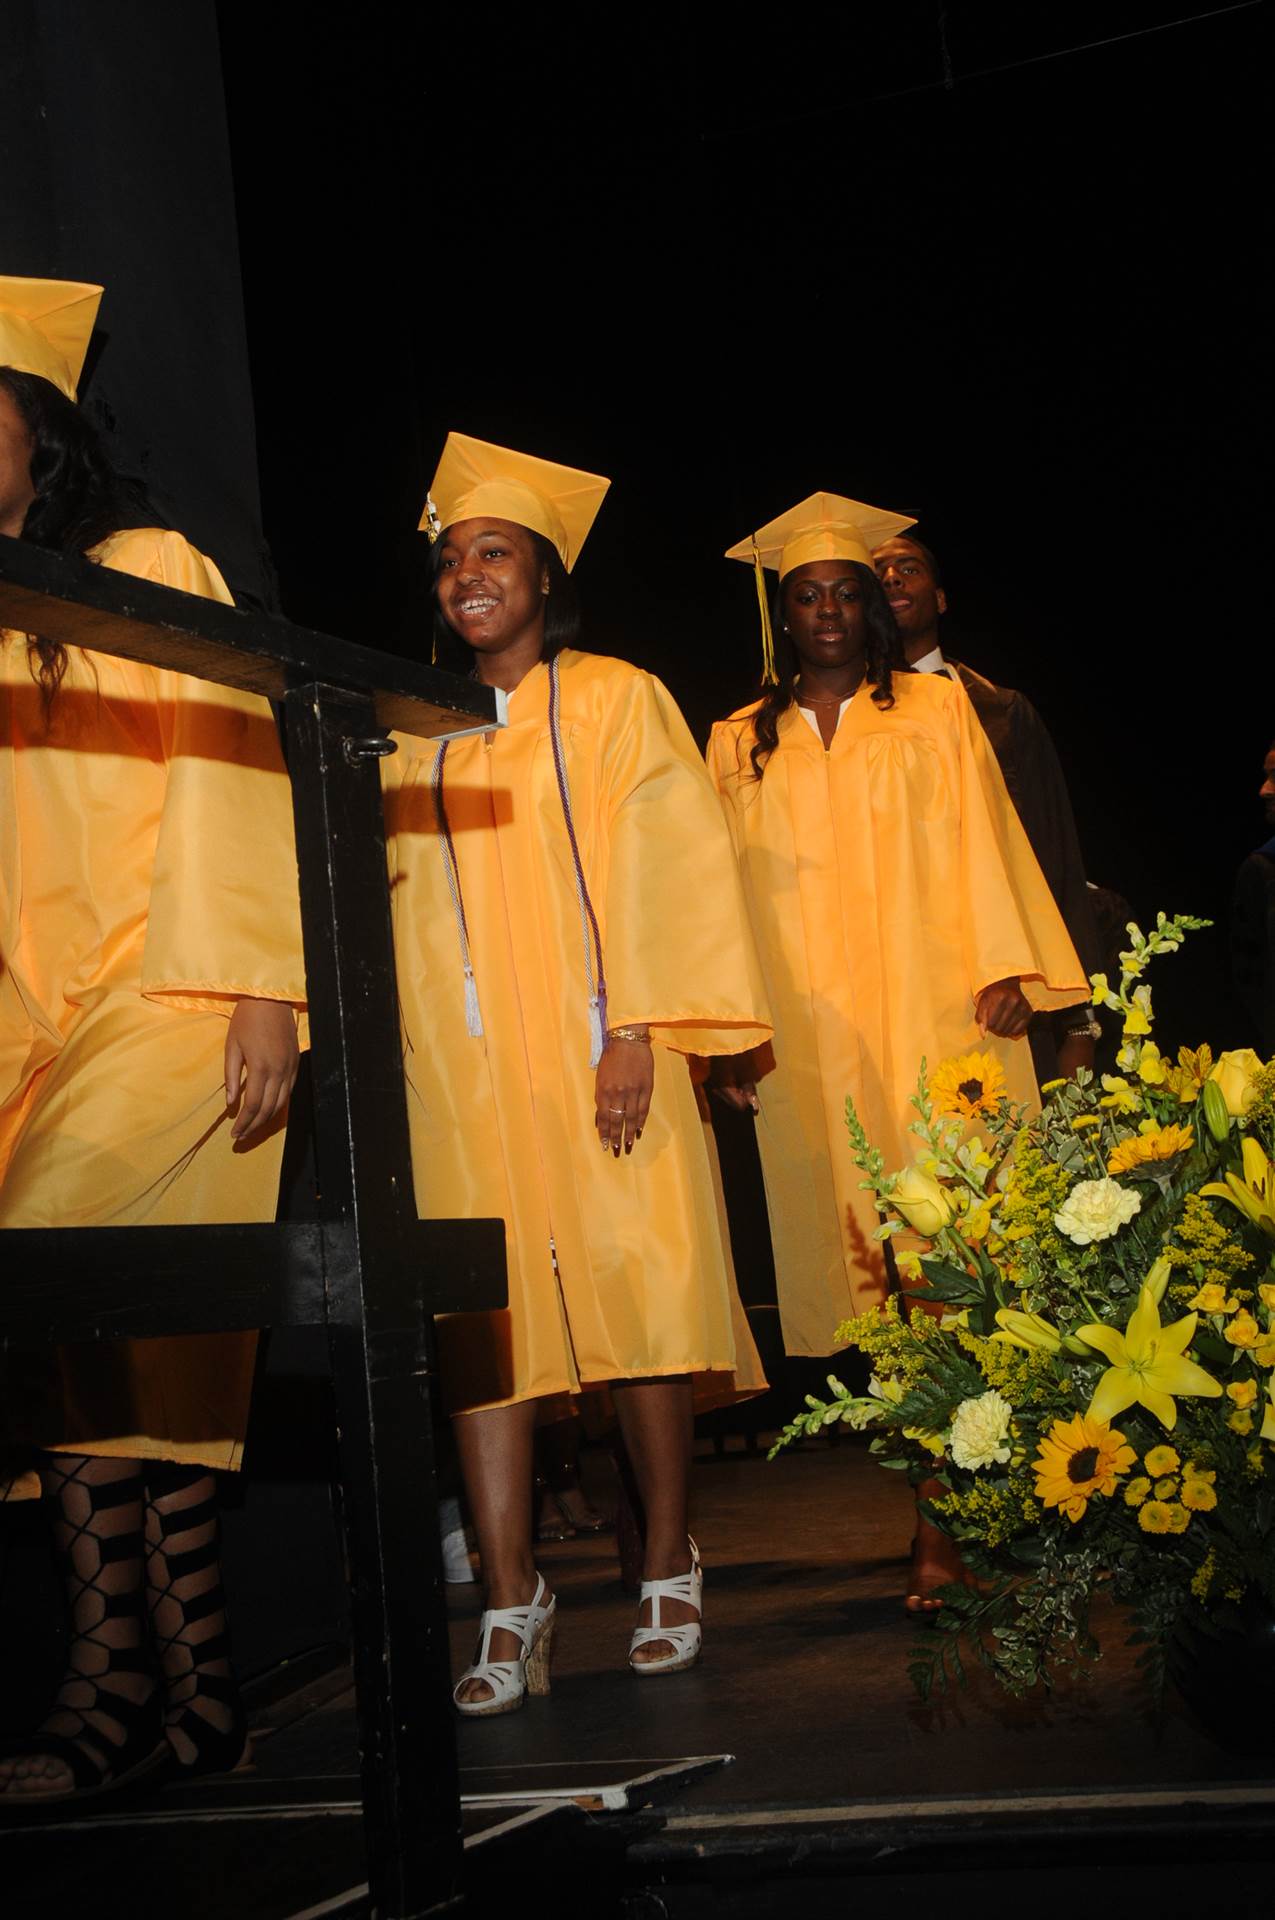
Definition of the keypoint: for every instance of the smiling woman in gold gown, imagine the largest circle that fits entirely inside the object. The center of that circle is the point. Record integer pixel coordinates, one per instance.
(569, 928)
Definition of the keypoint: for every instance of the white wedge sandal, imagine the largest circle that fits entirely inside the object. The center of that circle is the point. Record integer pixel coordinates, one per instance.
(686, 1639)
(512, 1680)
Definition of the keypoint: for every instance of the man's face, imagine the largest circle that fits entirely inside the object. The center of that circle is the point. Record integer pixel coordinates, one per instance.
(915, 601)
(1266, 792)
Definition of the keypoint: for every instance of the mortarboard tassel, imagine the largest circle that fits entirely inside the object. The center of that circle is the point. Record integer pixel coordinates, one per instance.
(473, 1016)
(769, 677)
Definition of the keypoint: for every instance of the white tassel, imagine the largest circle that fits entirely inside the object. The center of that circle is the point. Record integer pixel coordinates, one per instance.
(595, 1032)
(473, 1016)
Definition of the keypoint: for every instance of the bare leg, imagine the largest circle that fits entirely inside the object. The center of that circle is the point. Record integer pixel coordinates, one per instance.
(496, 1449)
(656, 1420)
(564, 1507)
(104, 1705)
(936, 1560)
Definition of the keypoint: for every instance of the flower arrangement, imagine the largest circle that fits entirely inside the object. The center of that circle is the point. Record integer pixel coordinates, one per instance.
(1083, 1352)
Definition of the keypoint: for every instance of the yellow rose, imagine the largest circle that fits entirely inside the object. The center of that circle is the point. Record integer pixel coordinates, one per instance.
(1234, 1074)
(1242, 1392)
(1243, 1330)
(921, 1201)
(1212, 1298)
(1266, 1293)
(1264, 1351)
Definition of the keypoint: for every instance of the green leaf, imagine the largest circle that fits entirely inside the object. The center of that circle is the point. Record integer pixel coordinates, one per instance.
(948, 1283)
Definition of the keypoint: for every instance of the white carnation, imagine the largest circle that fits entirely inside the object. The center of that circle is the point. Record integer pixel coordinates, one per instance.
(1095, 1210)
(980, 1431)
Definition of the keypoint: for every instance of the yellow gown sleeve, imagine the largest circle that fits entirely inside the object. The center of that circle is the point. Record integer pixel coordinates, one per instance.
(1012, 928)
(224, 920)
(679, 952)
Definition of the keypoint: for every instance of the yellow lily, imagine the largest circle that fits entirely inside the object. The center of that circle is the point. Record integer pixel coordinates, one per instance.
(1254, 1195)
(1027, 1330)
(1148, 1364)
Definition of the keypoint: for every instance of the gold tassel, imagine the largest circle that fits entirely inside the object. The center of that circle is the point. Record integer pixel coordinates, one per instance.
(769, 671)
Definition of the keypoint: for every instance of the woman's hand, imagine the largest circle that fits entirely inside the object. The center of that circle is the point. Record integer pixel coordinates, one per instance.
(732, 1077)
(626, 1074)
(1003, 1009)
(261, 1064)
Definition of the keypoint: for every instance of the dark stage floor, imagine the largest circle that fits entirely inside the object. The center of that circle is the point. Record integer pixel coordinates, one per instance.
(837, 1767)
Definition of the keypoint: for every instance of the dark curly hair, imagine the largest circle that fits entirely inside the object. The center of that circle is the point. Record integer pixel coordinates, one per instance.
(79, 497)
(885, 658)
(562, 610)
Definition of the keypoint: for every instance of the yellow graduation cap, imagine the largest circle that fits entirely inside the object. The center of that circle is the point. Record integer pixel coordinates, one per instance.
(476, 478)
(45, 326)
(826, 526)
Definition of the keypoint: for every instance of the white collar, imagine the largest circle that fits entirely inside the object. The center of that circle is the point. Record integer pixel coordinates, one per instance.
(807, 713)
(931, 662)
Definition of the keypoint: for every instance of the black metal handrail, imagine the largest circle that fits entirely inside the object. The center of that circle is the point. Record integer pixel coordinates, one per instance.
(368, 1270)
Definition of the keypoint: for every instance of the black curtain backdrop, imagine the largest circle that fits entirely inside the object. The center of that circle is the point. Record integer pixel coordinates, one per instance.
(116, 169)
(997, 266)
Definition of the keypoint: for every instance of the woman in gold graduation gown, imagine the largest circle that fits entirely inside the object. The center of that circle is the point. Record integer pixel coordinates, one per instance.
(898, 908)
(568, 927)
(150, 968)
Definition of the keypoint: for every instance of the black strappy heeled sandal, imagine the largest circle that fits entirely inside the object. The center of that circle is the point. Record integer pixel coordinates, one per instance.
(111, 1624)
(184, 1589)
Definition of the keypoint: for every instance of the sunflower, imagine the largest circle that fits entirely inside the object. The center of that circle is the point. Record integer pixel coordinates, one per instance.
(1162, 1143)
(1079, 1458)
(971, 1084)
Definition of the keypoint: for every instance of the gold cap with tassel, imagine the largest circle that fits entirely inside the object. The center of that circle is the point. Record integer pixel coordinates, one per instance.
(826, 526)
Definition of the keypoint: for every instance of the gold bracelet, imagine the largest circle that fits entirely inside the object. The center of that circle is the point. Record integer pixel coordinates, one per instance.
(630, 1033)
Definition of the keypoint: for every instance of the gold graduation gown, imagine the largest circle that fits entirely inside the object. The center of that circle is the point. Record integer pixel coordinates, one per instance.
(503, 1125)
(147, 882)
(888, 880)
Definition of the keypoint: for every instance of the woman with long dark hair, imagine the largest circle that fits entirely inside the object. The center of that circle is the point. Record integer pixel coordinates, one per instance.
(568, 922)
(150, 971)
(899, 911)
